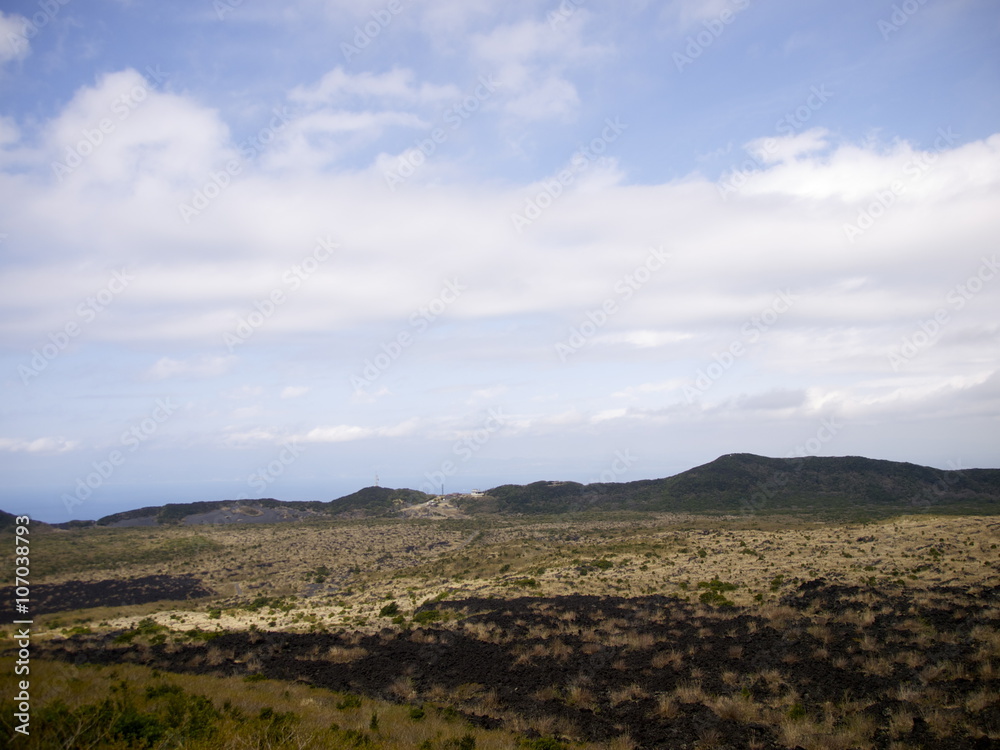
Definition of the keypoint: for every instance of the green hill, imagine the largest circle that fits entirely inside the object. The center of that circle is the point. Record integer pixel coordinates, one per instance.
(375, 501)
(734, 483)
(743, 482)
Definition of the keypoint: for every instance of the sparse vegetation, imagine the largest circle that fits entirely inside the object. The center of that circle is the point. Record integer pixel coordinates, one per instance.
(677, 632)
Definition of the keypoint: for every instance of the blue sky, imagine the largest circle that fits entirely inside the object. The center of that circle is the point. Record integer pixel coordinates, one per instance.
(273, 250)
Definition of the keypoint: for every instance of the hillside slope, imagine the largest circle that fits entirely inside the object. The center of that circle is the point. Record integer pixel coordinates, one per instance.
(734, 483)
(743, 482)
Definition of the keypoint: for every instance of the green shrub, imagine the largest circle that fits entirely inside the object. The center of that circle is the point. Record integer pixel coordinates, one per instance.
(349, 701)
(543, 743)
(524, 583)
(427, 616)
(716, 599)
(717, 586)
(356, 738)
(274, 728)
(154, 691)
(588, 567)
(145, 627)
(167, 713)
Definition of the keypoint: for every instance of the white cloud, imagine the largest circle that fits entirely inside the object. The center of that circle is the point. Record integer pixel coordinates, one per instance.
(38, 445)
(250, 437)
(644, 339)
(294, 391)
(550, 97)
(787, 148)
(361, 396)
(203, 367)
(194, 284)
(14, 45)
(643, 389)
(608, 414)
(531, 61)
(856, 173)
(9, 132)
(125, 130)
(450, 19)
(680, 16)
(347, 433)
(490, 394)
(344, 112)
(398, 86)
(783, 230)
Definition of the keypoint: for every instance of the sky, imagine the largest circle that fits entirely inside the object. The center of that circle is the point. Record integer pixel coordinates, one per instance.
(257, 249)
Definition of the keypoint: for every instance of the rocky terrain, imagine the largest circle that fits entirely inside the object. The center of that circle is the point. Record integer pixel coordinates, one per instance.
(635, 630)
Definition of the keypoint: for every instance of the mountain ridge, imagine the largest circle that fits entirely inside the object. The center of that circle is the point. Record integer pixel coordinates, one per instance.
(732, 483)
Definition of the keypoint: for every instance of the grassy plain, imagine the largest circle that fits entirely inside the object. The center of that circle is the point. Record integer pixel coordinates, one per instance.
(760, 604)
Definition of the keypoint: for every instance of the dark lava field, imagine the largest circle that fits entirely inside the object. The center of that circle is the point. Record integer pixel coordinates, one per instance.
(58, 597)
(865, 667)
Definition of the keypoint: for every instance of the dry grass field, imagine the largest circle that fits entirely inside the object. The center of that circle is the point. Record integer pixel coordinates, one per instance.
(627, 631)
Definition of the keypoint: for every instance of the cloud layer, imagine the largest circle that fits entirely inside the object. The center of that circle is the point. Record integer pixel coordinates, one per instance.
(362, 264)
